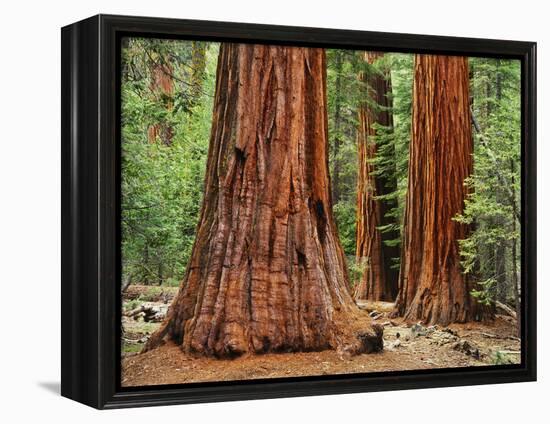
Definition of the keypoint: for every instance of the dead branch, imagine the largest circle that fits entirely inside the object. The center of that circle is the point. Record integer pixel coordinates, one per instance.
(506, 309)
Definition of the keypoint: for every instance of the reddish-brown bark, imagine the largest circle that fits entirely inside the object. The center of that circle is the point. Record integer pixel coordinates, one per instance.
(432, 286)
(379, 281)
(162, 88)
(267, 271)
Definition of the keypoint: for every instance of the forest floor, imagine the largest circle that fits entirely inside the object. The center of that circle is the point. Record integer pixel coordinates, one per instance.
(406, 347)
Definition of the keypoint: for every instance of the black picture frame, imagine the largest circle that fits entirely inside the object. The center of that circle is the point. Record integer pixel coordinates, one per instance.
(90, 133)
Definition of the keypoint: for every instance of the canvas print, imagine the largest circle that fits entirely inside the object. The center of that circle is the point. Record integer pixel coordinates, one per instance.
(290, 211)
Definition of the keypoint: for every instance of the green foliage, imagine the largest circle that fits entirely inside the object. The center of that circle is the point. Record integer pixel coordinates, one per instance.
(345, 216)
(131, 347)
(162, 184)
(484, 293)
(490, 253)
(345, 92)
(131, 304)
(392, 143)
(172, 282)
(401, 69)
(500, 358)
(357, 268)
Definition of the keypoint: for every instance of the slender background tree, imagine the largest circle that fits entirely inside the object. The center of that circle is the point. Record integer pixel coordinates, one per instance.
(379, 280)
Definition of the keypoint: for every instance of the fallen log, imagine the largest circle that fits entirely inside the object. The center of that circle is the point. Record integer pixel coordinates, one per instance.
(375, 306)
(506, 309)
(495, 336)
(149, 312)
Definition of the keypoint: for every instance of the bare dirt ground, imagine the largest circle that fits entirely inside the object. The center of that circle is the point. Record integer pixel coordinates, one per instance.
(406, 347)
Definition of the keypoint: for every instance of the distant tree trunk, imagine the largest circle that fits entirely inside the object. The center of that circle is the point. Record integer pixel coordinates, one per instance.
(379, 281)
(500, 272)
(162, 88)
(337, 118)
(432, 286)
(146, 280)
(267, 271)
(160, 270)
(198, 67)
(515, 279)
(501, 245)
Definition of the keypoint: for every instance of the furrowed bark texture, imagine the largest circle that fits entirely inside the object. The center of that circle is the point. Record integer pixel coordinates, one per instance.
(432, 286)
(267, 271)
(379, 282)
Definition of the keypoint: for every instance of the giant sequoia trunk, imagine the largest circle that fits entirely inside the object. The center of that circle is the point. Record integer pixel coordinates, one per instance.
(379, 281)
(267, 271)
(432, 286)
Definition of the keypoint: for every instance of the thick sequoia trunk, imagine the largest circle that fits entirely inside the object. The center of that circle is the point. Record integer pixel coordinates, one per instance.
(267, 271)
(162, 87)
(379, 281)
(432, 286)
